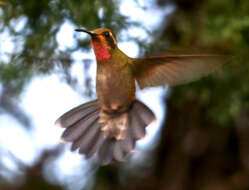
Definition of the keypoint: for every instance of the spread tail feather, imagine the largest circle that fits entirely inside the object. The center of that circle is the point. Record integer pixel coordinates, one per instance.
(111, 135)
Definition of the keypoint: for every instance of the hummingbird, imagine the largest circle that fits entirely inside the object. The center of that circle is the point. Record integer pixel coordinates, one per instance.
(110, 125)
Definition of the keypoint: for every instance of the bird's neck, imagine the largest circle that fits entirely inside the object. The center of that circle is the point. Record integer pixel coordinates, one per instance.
(102, 50)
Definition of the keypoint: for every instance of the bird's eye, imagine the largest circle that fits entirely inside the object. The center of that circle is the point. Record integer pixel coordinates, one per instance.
(107, 34)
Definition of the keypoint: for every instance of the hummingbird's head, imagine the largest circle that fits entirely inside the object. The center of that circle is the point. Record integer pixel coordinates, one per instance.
(103, 42)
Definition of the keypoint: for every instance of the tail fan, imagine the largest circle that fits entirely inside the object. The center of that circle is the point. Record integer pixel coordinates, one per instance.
(111, 135)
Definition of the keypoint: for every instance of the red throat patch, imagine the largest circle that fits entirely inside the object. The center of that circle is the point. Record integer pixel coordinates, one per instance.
(101, 50)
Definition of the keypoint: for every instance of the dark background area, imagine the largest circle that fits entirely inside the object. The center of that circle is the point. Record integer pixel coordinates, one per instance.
(203, 143)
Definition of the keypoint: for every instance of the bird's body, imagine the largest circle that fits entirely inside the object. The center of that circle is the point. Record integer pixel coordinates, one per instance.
(111, 124)
(115, 84)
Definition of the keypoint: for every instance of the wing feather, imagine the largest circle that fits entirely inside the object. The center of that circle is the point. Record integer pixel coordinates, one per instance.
(174, 69)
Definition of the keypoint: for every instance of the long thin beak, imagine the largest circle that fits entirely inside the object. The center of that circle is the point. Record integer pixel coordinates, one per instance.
(83, 30)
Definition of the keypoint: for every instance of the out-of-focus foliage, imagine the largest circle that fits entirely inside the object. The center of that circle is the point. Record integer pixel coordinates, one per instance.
(203, 143)
(217, 27)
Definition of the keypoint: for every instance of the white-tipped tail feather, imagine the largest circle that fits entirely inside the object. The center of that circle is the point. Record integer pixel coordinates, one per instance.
(111, 135)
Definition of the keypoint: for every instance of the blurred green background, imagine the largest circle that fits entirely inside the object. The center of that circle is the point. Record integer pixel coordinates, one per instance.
(204, 139)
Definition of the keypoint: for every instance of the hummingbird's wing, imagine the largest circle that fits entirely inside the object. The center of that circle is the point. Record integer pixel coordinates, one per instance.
(174, 69)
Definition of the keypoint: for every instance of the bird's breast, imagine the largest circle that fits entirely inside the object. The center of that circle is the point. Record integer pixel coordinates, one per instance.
(115, 86)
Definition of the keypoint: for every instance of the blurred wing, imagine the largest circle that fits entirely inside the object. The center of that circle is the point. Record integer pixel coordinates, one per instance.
(174, 69)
